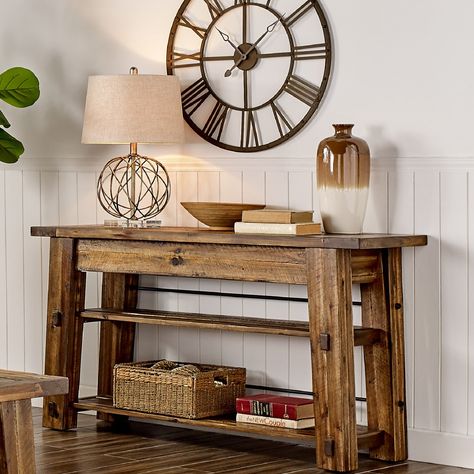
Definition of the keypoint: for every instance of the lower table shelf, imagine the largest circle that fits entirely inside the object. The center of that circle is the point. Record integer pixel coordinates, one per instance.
(366, 439)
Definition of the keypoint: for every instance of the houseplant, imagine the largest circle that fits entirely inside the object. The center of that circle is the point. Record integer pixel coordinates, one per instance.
(19, 87)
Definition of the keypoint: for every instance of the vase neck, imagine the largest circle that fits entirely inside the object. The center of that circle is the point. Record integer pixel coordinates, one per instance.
(343, 129)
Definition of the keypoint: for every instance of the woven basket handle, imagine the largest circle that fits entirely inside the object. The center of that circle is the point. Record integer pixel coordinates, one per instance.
(221, 380)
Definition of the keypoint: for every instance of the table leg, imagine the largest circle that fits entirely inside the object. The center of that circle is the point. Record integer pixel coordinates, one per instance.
(66, 295)
(116, 338)
(382, 308)
(17, 444)
(397, 332)
(332, 350)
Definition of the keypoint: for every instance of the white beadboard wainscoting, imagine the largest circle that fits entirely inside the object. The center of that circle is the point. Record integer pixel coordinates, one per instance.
(432, 196)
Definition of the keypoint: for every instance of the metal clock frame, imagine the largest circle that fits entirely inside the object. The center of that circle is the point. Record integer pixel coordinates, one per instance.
(192, 92)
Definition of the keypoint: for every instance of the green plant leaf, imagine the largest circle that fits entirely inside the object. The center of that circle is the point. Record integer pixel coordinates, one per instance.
(3, 120)
(19, 87)
(10, 148)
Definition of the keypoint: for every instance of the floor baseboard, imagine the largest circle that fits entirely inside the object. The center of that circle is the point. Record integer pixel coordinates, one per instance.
(441, 448)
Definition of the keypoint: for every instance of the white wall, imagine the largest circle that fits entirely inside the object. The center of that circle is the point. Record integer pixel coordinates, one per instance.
(401, 73)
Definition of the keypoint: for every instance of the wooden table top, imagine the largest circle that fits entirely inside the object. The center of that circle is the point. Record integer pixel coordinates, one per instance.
(206, 236)
(24, 385)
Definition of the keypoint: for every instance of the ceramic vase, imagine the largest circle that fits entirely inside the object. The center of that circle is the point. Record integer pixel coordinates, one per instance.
(343, 173)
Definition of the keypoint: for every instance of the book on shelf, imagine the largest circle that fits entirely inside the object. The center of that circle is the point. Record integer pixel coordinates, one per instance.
(277, 216)
(275, 406)
(303, 228)
(275, 422)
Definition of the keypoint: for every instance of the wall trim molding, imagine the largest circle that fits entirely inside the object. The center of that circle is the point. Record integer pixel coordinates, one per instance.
(187, 163)
(441, 448)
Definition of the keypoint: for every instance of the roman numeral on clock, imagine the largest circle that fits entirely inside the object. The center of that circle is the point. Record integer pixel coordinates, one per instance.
(194, 96)
(303, 90)
(299, 12)
(310, 51)
(216, 121)
(188, 60)
(248, 130)
(240, 2)
(282, 122)
(215, 8)
(197, 29)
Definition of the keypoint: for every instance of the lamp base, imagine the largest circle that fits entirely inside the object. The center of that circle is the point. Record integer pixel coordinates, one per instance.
(133, 187)
(150, 224)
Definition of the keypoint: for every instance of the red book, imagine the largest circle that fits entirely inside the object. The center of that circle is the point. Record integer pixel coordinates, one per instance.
(291, 408)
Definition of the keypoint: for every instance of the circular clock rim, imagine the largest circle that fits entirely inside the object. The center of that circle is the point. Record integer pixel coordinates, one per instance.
(309, 114)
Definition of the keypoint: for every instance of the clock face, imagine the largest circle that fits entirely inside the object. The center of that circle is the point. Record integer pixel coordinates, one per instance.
(252, 72)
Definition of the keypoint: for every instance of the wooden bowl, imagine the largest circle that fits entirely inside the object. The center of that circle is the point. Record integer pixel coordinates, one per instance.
(218, 215)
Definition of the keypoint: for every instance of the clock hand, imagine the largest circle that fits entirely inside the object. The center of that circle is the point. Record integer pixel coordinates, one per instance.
(226, 38)
(244, 56)
(269, 29)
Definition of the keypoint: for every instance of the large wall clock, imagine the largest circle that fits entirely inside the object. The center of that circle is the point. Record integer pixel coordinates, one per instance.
(252, 72)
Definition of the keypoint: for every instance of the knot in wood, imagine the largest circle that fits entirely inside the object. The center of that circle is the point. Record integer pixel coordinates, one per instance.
(53, 410)
(398, 306)
(175, 261)
(56, 319)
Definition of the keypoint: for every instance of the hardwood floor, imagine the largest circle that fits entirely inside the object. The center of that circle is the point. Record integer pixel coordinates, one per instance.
(96, 447)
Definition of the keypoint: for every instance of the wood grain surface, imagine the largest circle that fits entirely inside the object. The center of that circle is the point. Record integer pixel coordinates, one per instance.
(17, 448)
(66, 294)
(232, 262)
(193, 235)
(117, 338)
(330, 313)
(248, 263)
(366, 438)
(397, 331)
(24, 385)
(378, 369)
(17, 455)
(141, 448)
(362, 336)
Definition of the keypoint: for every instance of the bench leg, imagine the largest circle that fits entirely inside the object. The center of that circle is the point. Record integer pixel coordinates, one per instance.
(17, 447)
(332, 350)
(116, 338)
(66, 294)
(382, 308)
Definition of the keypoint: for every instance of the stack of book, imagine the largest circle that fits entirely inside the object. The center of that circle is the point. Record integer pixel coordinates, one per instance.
(277, 221)
(276, 411)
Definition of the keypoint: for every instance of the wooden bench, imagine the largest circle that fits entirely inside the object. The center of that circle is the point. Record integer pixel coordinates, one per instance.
(17, 448)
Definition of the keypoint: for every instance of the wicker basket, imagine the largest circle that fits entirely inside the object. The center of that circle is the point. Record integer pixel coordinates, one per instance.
(210, 392)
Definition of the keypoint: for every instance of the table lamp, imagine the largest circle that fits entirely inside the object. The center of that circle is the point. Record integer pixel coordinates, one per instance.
(133, 109)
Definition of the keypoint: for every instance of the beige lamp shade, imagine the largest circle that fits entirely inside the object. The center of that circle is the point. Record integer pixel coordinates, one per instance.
(135, 108)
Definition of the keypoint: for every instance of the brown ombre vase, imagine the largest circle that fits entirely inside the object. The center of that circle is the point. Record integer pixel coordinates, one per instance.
(343, 172)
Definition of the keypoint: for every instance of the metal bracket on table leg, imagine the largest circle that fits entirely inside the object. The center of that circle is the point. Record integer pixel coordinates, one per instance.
(329, 447)
(325, 341)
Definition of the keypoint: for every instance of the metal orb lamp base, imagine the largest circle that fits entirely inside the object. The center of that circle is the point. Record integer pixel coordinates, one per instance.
(134, 187)
(131, 109)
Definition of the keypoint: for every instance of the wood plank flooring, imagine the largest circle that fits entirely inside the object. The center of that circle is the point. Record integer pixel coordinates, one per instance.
(140, 448)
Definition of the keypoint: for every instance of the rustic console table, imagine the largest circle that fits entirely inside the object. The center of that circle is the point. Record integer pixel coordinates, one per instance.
(327, 264)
